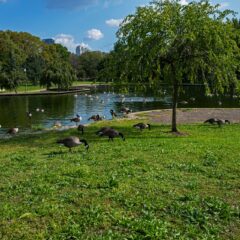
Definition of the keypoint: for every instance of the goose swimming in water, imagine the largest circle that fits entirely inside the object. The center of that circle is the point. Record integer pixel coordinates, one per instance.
(71, 142)
(142, 126)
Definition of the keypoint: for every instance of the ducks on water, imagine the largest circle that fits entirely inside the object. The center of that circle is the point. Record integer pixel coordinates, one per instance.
(71, 142)
(142, 126)
(110, 133)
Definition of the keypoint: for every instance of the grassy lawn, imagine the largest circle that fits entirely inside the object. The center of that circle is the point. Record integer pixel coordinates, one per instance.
(152, 186)
(22, 89)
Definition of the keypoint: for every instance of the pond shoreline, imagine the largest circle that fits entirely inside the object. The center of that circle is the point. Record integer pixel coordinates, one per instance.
(75, 89)
(188, 115)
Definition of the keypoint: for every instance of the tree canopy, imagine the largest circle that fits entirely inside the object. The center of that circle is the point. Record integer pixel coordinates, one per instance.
(25, 58)
(167, 42)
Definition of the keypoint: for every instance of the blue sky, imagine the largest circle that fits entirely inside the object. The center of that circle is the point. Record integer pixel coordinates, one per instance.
(71, 22)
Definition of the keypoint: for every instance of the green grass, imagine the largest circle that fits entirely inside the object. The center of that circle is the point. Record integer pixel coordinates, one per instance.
(23, 88)
(152, 186)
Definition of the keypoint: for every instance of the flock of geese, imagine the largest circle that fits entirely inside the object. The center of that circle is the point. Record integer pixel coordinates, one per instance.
(109, 132)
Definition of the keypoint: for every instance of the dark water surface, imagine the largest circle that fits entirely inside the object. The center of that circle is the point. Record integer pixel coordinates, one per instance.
(63, 107)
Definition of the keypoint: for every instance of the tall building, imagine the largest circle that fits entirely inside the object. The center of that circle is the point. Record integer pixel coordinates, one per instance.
(80, 49)
(48, 41)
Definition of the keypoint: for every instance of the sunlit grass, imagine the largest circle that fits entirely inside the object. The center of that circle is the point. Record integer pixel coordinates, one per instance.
(152, 186)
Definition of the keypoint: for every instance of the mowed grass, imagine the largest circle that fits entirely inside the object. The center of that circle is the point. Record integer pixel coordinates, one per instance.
(152, 186)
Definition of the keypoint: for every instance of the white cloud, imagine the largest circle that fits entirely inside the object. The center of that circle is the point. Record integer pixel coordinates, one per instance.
(184, 2)
(114, 22)
(84, 45)
(95, 34)
(68, 41)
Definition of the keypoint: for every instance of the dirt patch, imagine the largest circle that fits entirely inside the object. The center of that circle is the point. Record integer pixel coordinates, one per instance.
(193, 115)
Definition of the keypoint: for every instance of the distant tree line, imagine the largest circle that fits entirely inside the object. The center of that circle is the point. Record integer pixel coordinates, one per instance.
(24, 58)
(89, 65)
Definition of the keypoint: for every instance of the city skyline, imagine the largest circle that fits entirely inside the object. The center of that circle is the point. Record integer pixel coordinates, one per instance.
(90, 23)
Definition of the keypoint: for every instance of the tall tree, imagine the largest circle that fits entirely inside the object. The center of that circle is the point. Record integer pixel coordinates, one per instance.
(11, 63)
(167, 42)
(58, 70)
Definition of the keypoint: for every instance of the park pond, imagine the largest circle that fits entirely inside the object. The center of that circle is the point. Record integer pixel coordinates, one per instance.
(48, 109)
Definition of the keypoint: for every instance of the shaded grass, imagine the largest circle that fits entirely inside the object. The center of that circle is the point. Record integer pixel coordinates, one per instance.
(152, 186)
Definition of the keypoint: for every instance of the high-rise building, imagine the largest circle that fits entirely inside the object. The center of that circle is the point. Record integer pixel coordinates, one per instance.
(48, 41)
(80, 49)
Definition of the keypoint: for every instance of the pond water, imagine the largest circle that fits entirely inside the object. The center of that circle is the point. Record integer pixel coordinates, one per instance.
(63, 107)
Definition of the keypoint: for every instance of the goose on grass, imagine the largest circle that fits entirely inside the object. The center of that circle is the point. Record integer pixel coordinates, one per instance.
(71, 142)
(142, 126)
(110, 133)
(81, 128)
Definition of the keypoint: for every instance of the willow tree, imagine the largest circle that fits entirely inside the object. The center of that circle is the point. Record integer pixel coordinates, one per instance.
(166, 42)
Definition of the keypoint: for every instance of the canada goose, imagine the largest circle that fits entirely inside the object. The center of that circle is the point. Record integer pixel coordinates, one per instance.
(113, 114)
(111, 134)
(71, 142)
(142, 126)
(13, 131)
(211, 120)
(81, 128)
(125, 110)
(96, 118)
(76, 119)
(218, 121)
(103, 130)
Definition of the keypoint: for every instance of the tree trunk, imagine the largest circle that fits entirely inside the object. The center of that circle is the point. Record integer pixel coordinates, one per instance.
(174, 108)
